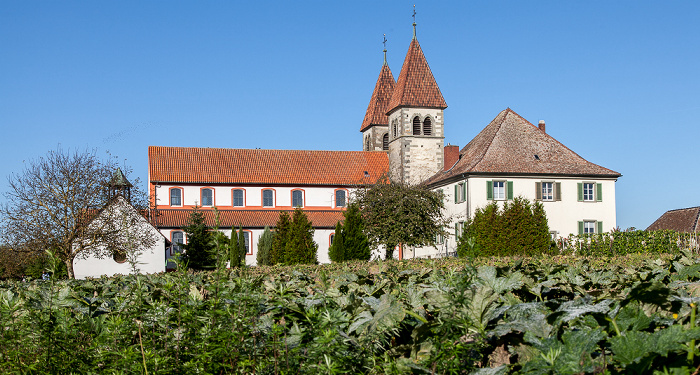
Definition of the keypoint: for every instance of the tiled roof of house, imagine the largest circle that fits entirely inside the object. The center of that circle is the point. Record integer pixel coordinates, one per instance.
(681, 220)
(512, 145)
(174, 218)
(245, 166)
(416, 86)
(379, 103)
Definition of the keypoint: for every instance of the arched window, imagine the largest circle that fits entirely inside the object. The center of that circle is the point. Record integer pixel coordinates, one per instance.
(176, 197)
(395, 128)
(427, 126)
(385, 141)
(238, 198)
(416, 126)
(268, 198)
(340, 198)
(367, 143)
(297, 198)
(207, 197)
(177, 239)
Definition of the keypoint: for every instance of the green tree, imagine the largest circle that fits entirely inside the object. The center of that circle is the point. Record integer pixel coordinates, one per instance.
(241, 245)
(336, 252)
(265, 248)
(300, 247)
(520, 228)
(199, 252)
(280, 238)
(396, 213)
(354, 238)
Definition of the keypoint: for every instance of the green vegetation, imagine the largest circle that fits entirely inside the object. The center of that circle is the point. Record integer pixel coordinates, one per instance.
(519, 228)
(265, 248)
(350, 241)
(199, 249)
(549, 315)
(293, 240)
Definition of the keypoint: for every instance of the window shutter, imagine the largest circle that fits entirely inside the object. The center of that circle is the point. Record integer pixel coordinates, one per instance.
(489, 190)
(457, 193)
(580, 227)
(599, 192)
(580, 191)
(557, 191)
(600, 227)
(509, 188)
(538, 190)
(464, 192)
(456, 231)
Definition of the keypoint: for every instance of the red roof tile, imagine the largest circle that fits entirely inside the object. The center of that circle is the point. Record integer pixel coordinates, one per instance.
(379, 103)
(245, 166)
(416, 86)
(512, 145)
(246, 218)
(681, 220)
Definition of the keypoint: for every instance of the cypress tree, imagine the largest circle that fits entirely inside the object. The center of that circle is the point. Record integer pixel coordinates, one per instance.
(280, 238)
(233, 257)
(241, 245)
(199, 252)
(301, 248)
(337, 250)
(354, 239)
(265, 248)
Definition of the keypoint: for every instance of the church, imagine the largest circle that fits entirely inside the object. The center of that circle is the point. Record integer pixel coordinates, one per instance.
(403, 133)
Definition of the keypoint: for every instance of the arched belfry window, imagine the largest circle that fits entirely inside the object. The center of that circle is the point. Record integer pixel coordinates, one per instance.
(395, 128)
(416, 126)
(385, 141)
(367, 143)
(427, 126)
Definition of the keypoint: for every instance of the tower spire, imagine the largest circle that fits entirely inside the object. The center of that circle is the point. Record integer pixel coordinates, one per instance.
(414, 21)
(385, 50)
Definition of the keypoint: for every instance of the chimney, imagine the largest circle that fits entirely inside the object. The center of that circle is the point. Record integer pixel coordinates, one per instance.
(541, 126)
(451, 156)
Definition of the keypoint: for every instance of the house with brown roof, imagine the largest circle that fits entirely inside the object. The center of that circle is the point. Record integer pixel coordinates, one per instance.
(681, 220)
(403, 134)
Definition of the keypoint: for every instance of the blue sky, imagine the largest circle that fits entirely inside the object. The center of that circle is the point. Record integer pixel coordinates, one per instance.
(618, 82)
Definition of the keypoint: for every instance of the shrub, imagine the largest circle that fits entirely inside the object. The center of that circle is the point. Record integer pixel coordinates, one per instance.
(265, 248)
(336, 252)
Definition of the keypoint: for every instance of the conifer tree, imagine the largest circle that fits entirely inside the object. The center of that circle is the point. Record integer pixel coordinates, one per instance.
(301, 248)
(265, 248)
(233, 257)
(336, 252)
(280, 238)
(241, 245)
(355, 240)
(199, 252)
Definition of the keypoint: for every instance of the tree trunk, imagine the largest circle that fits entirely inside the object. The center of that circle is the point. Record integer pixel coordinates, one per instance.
(69, 268)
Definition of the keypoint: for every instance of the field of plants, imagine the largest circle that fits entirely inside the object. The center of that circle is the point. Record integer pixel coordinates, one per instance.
(558, 315)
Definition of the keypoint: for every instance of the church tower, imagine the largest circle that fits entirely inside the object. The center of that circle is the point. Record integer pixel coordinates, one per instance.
(416, 123)
(375, 126)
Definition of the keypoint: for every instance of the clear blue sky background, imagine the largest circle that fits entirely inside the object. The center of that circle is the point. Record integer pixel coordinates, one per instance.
(616, 81)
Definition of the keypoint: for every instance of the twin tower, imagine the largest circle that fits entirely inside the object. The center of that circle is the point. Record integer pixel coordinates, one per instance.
(406, 119)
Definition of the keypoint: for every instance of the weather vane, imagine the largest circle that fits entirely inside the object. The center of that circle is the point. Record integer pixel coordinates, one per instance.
(414, 21)
(384, 49)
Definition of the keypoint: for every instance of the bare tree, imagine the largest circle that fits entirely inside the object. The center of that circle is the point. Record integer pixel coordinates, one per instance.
(62, 202)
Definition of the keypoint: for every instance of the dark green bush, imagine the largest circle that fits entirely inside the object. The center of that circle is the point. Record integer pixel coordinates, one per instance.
(628, 242)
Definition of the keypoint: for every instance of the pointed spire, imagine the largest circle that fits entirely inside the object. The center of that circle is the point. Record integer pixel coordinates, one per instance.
(416, 86)
(414, 22)
(379, 103)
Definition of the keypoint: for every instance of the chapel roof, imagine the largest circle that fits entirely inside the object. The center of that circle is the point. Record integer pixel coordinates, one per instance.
(680, 220)
(512, 145)
(416, 86)
(178, 218)
(379, 103)
(256, 166)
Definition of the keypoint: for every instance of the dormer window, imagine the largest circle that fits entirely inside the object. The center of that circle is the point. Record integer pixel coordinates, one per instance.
(427, 126)
(416, 126)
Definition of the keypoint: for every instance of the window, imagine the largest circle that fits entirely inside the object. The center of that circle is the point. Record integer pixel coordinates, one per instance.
(439, 239)
(340, 198)
(297, 198)
(238, 198)
(416, 126)
(427, 126)
(460, 192)
(459, 228)
(248, 250)
(499, 190)
(590, 227)
(176, 197)
(268, 198)
(367, 144)
(332, 238)
(385, 141)
(590, 192)
(177, 240)
(207, 197)
(548, 191)
(395, 127)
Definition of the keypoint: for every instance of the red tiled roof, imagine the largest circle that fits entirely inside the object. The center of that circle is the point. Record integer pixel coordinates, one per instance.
(416, 86)
(246, 218)
(508, 145)
(379, 103)
(681, 220)
(245, 166)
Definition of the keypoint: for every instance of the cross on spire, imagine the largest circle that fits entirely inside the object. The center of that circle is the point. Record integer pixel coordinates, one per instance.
(384, 49)
(414, 21)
